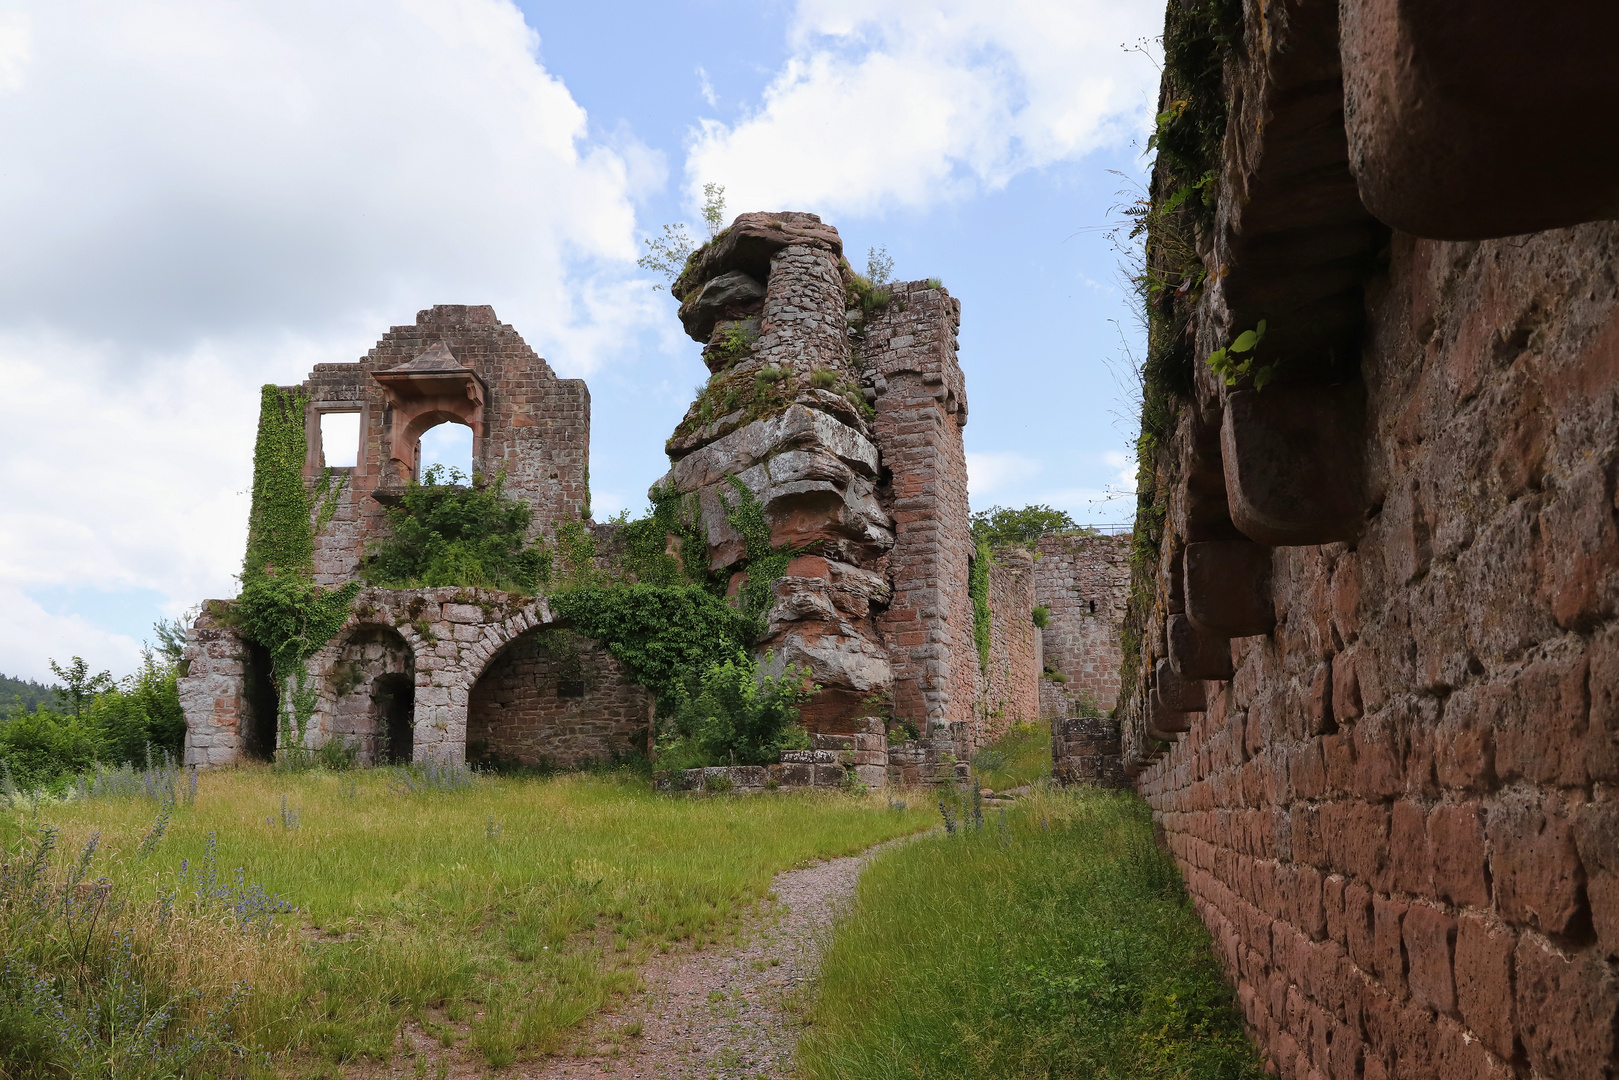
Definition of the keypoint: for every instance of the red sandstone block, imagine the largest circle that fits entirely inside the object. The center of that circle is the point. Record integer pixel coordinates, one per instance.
(1346, 596)
(1456, 849)
(1378, 771)
(1430, 937)
(1358, 927)
(1307, 772)
(1338, 754)
(1536, 868)
(1387, 954)
(1332, 900)
(1539, 722)
(1409, 867)
(1483, 979)
(1344, 1060)
(1311, 914)
(1596, 834)
(1567, 1003)
(1309, 843)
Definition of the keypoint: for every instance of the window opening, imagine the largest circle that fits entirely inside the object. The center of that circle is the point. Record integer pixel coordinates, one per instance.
(1093, 607)
(450, 445)
(340, 439)
(571, 688)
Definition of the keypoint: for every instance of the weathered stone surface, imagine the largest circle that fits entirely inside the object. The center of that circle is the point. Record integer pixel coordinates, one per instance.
(1293, 470)
(1083, 579)
(750, 245)
(1194, 654)
(1467, 125)
(1228, 592)
(731, 295)
(1178, 693)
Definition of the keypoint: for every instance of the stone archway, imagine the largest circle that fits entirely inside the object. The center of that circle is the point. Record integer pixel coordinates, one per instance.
(553, 698)
(370, 686)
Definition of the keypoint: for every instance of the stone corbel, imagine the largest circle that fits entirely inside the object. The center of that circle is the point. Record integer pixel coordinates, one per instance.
(1196, 655)
(1163, 722)
(1293, 463)
(1177, 692)
(1484, 119)
(1228, 588)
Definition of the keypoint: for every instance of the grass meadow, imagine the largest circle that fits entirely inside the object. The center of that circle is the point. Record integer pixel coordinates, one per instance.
(1021, 756)
(499, 916)
(1054, 940)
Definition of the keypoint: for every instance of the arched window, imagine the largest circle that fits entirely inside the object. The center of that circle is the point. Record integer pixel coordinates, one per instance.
(448, 444)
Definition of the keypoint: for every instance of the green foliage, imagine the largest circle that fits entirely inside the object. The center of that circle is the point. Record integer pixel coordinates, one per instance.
(280, 540)
(79, 687)
(737, 717)
(109, 723)
(1041, 616)
(443, 532)
(1239, 359)
(1002, 525)
(1021, 756)
(649, 545)
(668, 254)
(978, 590)
(735, 342)
(1056, 941)
(823, 379)
(763, 563)
(292, 618)
(714, 208)
(879, 266)
(662, 634)
(25, 692)
(869, 296)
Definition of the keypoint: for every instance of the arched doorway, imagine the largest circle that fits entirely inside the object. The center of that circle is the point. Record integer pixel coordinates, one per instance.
(373, 687)
(552, 698)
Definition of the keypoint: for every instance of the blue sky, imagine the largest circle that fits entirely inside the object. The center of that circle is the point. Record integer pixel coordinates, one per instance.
(200, 199)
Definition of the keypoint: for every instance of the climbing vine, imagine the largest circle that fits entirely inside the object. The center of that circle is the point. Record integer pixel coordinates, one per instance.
(764, 563)
(978, 589)
(280, 606)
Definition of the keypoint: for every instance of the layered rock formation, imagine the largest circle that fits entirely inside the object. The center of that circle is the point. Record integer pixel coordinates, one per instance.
(784, 419)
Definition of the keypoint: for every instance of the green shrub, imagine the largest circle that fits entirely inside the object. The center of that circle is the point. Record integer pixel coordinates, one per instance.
(823, 379)
(444, 532)
(737, 717)
(1001, 525)
(1041, 616)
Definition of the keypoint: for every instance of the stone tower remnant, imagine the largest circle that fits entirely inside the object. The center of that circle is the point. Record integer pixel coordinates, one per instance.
(834, 405)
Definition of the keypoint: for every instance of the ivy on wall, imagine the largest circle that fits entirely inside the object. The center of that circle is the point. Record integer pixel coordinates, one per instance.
(280, 606)
(978, 589)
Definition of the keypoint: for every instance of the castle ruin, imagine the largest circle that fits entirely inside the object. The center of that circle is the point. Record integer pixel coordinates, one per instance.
(841, 413)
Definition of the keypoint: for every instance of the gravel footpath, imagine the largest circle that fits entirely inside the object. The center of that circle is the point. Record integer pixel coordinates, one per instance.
(723, 1012)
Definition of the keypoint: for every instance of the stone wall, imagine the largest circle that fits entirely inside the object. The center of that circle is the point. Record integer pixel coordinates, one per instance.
(1009, 685)
(909, 356)
(1085, 750)
(530, 426)
(1084, 579)
(1374, 708)
(551, 697)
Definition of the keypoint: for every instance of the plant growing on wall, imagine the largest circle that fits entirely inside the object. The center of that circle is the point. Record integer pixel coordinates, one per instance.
(734, 715)
(280, 606)
(445, 532)
(978, 590)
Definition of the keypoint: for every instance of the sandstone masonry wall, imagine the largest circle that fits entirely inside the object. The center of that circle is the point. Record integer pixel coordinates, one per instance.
(1009, 686)
(1398, 818)
(534, 428)
(1084, 580)
(909, 352)
(553, 697)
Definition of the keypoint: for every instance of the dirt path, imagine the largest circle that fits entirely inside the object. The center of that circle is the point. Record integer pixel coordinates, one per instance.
(722, 1012)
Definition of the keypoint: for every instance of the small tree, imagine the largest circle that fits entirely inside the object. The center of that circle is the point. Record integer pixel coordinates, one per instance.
(1001, 525)
(79, 687)
(669, 253)
(739, 717)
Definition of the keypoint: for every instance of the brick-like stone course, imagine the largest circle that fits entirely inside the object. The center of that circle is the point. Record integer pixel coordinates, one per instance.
(555, 698)
(909, 356)
(1396, 819)
(535, 429)
(1084, 579)
(1009, 686)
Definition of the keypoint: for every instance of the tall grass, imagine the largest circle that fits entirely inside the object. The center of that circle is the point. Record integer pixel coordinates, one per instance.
(501, 911)
(1021, 756)
(1052, 941)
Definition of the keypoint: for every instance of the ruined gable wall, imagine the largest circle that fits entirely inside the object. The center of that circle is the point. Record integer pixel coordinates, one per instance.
(1009, 685)
(536, 427)
(909, 352)
(1084, 580)
(1397, 819)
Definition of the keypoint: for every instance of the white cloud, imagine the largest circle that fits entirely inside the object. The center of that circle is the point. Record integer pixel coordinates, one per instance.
(907, 103)
(998, 470)
(29, 635)
(198, 199)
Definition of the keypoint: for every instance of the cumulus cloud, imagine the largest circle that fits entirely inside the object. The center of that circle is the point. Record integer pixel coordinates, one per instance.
(199, 198)
(996, 471)
(907, 103)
